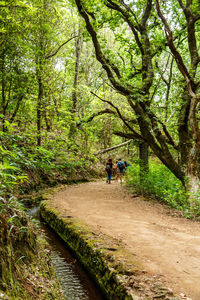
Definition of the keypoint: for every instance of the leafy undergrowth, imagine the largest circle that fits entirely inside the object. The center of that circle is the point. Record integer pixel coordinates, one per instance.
(161, 184)
(25, 167)
(25, 267)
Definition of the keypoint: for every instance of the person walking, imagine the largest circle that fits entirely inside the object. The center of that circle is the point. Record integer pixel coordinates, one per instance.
(115, 170)
(121, 167)
(109, 166)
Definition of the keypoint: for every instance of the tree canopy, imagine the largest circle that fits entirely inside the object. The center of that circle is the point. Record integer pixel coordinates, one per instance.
(146, 50)
(83, 76)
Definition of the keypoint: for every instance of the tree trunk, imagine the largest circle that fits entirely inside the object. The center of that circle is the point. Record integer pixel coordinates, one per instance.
(185, 137)
(3, 96)
(19, 100)
(39, 110)
(152, 129)
(78, 45)
(144, 159)
(168, 90)
(110, 125)
(40, 61)
(192, 182)
(105, 140)
(192, 186)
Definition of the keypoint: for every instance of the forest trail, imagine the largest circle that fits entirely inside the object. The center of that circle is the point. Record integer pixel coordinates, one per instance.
(165, 243)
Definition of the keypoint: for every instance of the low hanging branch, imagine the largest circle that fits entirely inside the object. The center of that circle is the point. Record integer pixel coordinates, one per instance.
(119, 114)
(99, 113)
(113, 148)
(126, 135)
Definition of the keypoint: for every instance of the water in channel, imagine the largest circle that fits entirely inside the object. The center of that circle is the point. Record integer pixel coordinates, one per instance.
(75, 282)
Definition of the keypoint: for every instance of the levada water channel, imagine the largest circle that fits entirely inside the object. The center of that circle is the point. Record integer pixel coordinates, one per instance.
(75, 282)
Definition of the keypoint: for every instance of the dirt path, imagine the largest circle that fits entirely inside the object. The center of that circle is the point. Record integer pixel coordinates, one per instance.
(167, 245)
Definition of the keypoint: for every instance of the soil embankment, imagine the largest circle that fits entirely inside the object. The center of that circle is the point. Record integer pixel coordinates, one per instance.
(168, 246)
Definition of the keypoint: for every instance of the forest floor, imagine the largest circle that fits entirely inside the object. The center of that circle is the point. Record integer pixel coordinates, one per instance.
(166, 244)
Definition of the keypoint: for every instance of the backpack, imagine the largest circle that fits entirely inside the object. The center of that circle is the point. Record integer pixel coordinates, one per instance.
(121, 165)
(108, 167)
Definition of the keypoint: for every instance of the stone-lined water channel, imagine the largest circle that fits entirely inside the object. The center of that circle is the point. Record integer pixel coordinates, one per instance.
(75, 282)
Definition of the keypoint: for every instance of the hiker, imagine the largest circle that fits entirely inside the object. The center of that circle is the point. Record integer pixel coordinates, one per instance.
(127, 164)
(109, 166)
(115, 170)
(121, 167)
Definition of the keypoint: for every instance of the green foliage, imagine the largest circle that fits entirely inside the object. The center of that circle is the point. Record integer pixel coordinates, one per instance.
(24, 257)
(160, 183)
(24, 166)
(10, 175)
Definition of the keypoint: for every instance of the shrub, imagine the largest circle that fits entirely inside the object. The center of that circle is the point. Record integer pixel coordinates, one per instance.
(159, 183)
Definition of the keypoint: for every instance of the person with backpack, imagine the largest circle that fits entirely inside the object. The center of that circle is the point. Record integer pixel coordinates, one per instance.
(115, 170)
(109, 166)
(121, 167)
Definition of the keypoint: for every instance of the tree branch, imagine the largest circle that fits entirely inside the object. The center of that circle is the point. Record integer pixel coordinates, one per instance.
(175, 52)
(106, 64)
(131, 11)
(192, 42)
(127, 18)
(112, 148)
(63, 44)
(125, 135)
(181, 4)
(119, 114)
(99, 113)
(146, 14)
